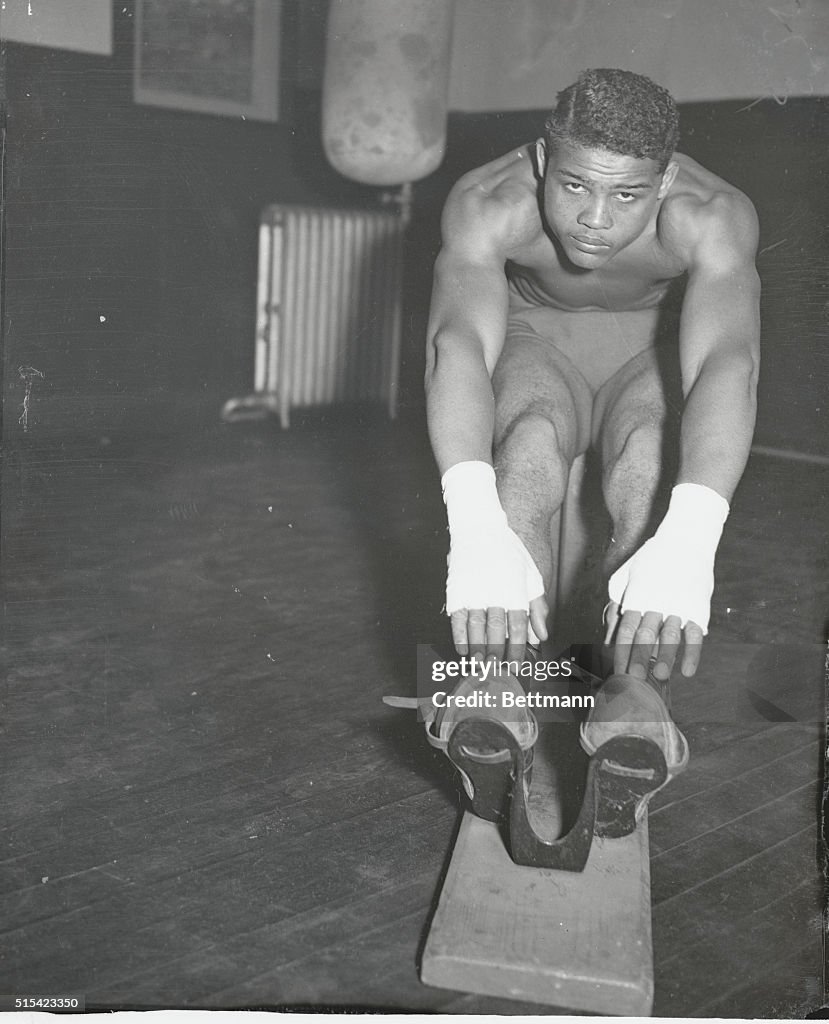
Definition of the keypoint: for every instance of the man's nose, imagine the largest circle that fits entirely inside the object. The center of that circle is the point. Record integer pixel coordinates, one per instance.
(596, 215)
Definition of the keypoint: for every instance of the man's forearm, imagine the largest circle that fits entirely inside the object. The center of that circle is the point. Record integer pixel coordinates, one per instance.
(460, 406)
(718, 423)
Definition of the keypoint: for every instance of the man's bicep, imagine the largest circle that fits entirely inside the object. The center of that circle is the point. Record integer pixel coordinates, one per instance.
(720, 311)
(469, 302)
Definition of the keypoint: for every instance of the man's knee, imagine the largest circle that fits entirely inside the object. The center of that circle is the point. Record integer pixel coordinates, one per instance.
(631, 481)
(532, 441)
(638, 453)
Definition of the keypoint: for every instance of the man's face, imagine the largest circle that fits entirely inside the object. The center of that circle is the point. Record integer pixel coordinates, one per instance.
(597, 202)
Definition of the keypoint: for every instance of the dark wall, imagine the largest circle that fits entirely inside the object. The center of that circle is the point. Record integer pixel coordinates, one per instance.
(131, 234)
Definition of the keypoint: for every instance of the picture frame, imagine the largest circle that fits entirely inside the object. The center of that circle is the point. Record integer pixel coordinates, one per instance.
(209, 56)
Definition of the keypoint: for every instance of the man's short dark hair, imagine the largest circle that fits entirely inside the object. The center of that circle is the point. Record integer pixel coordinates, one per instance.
(619, 111)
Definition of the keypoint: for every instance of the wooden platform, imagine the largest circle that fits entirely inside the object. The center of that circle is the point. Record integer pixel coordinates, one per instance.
(575, 940)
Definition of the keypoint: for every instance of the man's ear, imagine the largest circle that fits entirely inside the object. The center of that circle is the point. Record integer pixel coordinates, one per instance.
(540, 157)
(667, 179)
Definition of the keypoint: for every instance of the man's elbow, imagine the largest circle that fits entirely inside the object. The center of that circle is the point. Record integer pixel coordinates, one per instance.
(743, 369)
(752, 345)
(437, 353)
(431, 363)
(744, 374)
(753, 371)
(732, 375)
(748, 357)
(447, 348)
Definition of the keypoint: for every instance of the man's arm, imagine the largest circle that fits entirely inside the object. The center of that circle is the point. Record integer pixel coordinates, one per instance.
(719, 348)
(719, 358)
(467, 326)
(492, 583)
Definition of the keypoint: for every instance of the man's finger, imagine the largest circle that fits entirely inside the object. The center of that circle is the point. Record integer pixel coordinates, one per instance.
(458, 620)
(539, 610)
(496, 632)
(644, 642)
(625, 633)
(476, 631)
(670, 638)
(516, 645)
(693, 648)
(611, 620)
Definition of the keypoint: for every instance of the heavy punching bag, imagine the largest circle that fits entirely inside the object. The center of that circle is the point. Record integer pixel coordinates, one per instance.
(385, 88)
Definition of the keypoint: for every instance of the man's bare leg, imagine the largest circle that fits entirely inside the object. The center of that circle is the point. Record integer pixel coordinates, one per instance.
(636, 422)
(542, 417)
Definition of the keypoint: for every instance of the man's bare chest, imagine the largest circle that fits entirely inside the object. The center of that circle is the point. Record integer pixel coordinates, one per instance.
(636, 280)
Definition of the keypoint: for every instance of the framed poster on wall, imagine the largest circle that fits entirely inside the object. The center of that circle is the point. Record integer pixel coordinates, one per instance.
(85, 26)
(209, 56)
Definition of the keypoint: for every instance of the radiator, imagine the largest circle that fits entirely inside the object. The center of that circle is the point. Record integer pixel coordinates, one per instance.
(328, 320)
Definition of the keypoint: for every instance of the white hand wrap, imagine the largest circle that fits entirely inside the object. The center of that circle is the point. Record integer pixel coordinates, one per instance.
(489, 566)
(673, 572)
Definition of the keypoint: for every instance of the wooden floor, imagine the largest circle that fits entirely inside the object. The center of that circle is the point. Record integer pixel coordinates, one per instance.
(205, 802)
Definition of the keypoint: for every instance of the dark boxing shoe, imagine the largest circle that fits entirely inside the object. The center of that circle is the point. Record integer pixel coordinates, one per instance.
(484, 759)
(626, 706)
(611, 798)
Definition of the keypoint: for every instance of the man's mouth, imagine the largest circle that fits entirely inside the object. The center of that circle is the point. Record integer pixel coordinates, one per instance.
(589, 244)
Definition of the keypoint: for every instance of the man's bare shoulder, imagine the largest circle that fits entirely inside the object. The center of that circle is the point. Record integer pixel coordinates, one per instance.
(705, 218)
(493, 210)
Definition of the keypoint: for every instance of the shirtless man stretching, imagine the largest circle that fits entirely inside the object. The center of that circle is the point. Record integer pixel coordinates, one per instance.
(545, 339)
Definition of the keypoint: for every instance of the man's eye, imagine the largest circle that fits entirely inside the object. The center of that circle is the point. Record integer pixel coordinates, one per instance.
(626, 197)
(574, 187)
